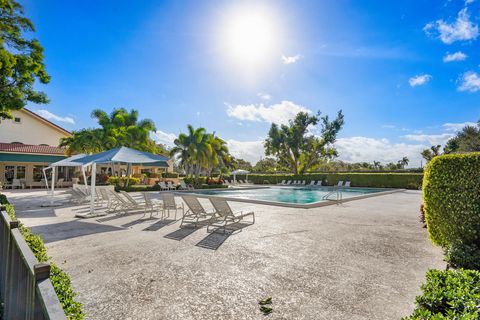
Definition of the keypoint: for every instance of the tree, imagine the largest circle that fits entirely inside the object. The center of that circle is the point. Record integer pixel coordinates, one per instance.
(238, 163)
(21, 61)
(200, 152)
(267, 165)
(403, 163)
(429, 154)
(467, 140)
(120, 128)
(293, 145)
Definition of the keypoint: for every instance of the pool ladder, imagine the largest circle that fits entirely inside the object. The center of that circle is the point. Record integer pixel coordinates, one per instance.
(337, 191)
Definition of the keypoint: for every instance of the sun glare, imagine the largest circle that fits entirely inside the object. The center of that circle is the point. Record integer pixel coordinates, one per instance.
(249, 36)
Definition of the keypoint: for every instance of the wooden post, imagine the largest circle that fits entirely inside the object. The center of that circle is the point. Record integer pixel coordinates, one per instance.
(42, 271)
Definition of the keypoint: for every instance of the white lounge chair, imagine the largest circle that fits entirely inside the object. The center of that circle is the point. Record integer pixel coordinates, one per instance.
(169, 203)
(184, 186)
(288, 182)
(224, 216)
(347, 184)
(163, 186)
(145, 206)
(340, 184)
(152, 205)
(195, 211)
(319, 183)
(282, 183)
(303, 182)
(171, 186)
(312, 183)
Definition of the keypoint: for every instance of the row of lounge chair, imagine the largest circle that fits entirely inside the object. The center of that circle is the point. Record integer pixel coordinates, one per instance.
(340, 183)
(221, 217)
(236, 182)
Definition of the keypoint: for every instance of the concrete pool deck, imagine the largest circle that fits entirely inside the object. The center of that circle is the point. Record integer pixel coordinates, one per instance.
(364, 259)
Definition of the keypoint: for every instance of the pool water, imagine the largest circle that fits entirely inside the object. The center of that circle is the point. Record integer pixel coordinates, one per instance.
(298, 195)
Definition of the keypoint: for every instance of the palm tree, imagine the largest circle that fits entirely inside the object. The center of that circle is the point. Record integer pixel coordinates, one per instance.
(200, 152)
(120, 128)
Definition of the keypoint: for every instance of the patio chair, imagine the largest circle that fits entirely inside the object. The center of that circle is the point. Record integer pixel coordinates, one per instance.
(312, 183)
(184, 186)
(60, 182)
(122, 204)
(169, 203)
(77, 196)
(282, 183)
(151, 204)
(347, 184)
(195, 211)
(303, 182)
(224, 216)
(135, 204)
(288, 182)
(162, 185)
(340, 184)
(319, 183)
(171, 186)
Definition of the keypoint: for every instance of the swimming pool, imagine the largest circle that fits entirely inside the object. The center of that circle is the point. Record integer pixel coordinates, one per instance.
(295, 196)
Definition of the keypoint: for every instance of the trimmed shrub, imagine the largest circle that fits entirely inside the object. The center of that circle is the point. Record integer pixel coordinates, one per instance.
(371, 180)
(60, 280)
(169, 175)
(122, 181)
(451, 196)
(191, 180)
(461, 255)
(449, 294)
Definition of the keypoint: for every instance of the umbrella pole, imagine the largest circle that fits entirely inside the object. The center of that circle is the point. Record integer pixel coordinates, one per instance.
(92, 189)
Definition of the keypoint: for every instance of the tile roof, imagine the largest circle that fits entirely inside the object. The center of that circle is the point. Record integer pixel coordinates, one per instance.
(29, 148)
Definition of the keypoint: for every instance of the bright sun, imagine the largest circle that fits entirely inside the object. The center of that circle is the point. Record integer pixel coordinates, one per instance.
(249, 36)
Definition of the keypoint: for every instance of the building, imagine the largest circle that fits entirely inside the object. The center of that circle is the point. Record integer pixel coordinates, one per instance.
(28, 143)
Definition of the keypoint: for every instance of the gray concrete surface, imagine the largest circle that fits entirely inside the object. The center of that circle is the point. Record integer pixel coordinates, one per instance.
(364, 259)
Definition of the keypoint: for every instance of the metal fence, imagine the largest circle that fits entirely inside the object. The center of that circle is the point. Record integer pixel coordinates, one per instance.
(25, 287)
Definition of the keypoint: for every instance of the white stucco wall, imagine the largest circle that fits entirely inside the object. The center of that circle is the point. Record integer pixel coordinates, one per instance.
(31, 130)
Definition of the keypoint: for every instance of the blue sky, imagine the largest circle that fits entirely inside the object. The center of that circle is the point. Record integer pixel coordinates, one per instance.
(405, 73)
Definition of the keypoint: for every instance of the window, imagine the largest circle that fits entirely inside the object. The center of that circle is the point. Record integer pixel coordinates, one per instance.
(38, 173)
(17, 120)
(20, 172)
(65, 173)
(14, 172)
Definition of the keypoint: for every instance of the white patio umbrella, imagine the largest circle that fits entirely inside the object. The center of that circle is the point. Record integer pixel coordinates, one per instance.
(239, 171)
(121, 155)
(68, 162)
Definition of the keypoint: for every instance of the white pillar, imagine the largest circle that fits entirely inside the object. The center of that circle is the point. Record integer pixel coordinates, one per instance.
(53, 180)
(85, 182)
(92, 189)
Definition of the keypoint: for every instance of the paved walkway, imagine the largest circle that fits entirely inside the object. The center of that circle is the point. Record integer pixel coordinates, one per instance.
(362, 260)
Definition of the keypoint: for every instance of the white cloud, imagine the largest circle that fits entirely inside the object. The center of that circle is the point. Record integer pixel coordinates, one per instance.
(457, 56)
(461, 30)
(275, 113)
(164, 138)
(419, 80)
(467, 2)
(388, 126)
(432, 139)
(51, 116)
(264, 96)
(360, 149)
(290, 59)
(457, 126)
(470, 81)
(251, 151)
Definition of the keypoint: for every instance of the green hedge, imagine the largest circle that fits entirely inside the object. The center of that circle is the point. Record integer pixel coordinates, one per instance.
(449, 294)
(451, 197)
(372, 180)
(169, 175)
(60, 280)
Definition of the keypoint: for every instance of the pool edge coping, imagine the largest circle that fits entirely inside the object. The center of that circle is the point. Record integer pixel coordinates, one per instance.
(285, 204)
